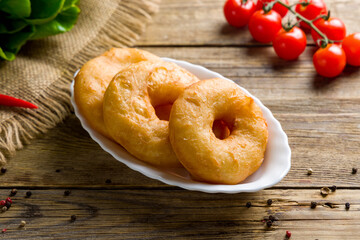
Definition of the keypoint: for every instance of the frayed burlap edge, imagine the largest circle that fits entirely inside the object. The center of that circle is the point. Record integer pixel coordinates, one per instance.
(54, 102)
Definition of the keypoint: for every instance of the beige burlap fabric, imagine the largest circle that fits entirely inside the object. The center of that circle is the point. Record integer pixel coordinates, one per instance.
(43, 70)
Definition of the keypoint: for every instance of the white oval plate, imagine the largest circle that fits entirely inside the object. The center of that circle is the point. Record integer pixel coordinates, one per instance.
(276, 164)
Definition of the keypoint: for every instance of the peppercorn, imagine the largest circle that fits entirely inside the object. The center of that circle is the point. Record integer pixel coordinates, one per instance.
(347, 206)
(269, 202)
(57, 170)
(108, 181)
(272, 218)
(2, 203)
(313, 205)
(22, 224)
(309, 171)
(13, 192)
(8, 205)
(248, 204)
(333, 188)
(9, 200)
(28, 194)
(4, 230)
(4, 209)
(73, 218)
(269, 223)
(3, 170)
(67, 192)
(288, 234)
(324, 191)
(354, 170)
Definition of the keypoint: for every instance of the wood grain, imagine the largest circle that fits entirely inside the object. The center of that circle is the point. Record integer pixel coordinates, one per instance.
(202, 22)
(180, 214)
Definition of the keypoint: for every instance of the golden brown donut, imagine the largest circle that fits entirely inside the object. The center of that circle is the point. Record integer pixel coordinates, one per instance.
(94, 77)
(129, 113)
(206, 157)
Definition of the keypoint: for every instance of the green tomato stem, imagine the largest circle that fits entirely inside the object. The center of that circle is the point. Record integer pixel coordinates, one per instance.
(325, 39)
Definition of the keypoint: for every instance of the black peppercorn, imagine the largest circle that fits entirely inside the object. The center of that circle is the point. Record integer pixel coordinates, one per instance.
(248, 204)
(354, 170)
(333, 188)
(57, 170)
(313, 205)
(108, 181)
(269, 223)
(28, 194)
(347, 206)
(13, 192)
(272, 218)
(3, 170)
(67, 192)
(8, 205)
(73, 218)
(269, 202)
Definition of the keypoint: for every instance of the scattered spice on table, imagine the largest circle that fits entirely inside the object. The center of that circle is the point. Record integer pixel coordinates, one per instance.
(325, 191)
(288, 234)
(28, 194)
(269, 202)
(108, 181)
(309, 171)
(333, 188)
(313, 205)
(248, 204)
(347, 206)
(354, 170)
(13, 192)
(9, 101)
(22, 224)
(67, 192)
(3, 170)
(73, 218)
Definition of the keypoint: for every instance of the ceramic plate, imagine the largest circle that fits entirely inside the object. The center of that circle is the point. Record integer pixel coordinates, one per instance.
(276, 164)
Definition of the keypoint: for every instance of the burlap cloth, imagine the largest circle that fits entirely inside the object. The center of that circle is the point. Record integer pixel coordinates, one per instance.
(43, 70)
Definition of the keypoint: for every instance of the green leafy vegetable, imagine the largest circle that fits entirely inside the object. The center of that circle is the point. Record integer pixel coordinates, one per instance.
(22, 20)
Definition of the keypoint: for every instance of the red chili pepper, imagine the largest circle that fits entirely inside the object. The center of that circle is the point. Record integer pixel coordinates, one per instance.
(6, 100)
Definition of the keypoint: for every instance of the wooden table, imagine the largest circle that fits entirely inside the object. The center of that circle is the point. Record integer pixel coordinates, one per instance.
(320, 116)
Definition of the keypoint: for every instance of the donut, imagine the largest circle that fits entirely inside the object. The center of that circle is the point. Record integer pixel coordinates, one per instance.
(94, 77)
(209, 158)
(129, 109)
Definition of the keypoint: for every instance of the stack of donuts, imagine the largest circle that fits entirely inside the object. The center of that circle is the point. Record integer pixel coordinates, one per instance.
(165, 116)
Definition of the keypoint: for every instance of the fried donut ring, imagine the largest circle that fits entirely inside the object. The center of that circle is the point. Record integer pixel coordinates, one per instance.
(94, 77)
(129, 113)
(206, 157)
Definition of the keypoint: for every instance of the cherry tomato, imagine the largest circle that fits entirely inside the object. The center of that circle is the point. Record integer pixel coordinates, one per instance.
(329, 61)
(264, 26)
(333, 28)
(290, 44)
(311, 11)
(277, 7)
(238, 13)
(351, 46)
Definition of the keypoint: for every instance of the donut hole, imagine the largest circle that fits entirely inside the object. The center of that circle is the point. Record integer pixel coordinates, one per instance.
(221, 129)
(163, 111)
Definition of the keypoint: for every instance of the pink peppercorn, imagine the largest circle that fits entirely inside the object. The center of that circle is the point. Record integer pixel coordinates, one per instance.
(2, 202)
(9, 200)
(288, 234)
(4, 230)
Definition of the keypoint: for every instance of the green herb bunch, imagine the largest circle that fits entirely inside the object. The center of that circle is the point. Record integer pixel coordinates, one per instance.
(23, 20)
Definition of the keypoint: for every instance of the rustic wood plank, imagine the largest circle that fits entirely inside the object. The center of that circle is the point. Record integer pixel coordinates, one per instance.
(322, 123)
(190, 22)
(154, 214)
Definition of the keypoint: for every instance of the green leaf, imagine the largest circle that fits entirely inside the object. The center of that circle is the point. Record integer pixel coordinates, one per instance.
(16, 8)
(43, 11)
(69, 3)
(13, 42)
(6, 55)
(10, 26)
(62, 23)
